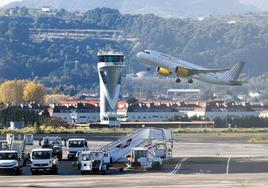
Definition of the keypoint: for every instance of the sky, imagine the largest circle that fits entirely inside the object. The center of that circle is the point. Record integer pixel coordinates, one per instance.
(261, 4)
(4, 2)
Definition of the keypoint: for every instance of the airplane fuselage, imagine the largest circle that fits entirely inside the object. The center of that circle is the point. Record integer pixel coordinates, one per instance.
(157, 59)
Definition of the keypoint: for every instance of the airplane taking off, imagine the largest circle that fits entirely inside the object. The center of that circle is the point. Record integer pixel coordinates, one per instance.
(167, 65)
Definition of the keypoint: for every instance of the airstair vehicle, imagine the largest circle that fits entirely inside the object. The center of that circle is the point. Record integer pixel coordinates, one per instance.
(116, 154)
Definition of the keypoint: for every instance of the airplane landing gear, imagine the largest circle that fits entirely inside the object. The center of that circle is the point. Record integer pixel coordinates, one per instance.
(178, 80)
(190, 81)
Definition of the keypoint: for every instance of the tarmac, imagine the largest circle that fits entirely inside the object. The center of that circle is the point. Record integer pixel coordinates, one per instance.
(196, 162)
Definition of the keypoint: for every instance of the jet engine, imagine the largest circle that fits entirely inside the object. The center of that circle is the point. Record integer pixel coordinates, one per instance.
(163, 71)
(182, 72)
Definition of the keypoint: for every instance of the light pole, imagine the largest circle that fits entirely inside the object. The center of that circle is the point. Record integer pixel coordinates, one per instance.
(226, 117)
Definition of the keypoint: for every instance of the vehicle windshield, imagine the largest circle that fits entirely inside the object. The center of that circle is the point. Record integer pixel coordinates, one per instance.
(87, 157)
(3, 146)
(140, 153)
(8, 156)
(55, 142)
(41, 155)
(52, 141)
(77, 143)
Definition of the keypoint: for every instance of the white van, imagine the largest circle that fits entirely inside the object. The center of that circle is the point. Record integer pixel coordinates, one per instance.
(76, 145)
(43, 161)
(10, 162)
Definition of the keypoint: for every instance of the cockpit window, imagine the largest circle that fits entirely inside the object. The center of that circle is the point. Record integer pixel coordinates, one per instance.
(147, 52)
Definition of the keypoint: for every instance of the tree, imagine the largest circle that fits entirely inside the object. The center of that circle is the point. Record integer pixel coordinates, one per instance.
(11, 92)
(34, 93)
(55, 98)
(54, 122)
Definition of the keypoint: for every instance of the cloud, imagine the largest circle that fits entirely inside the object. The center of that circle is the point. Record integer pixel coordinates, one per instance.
(261, 4)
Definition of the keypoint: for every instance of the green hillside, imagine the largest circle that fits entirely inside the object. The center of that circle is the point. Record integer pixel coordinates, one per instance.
(28, 52)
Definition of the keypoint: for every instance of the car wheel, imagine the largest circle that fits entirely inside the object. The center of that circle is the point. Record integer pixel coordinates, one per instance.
(55, 170)
(103, 172)
(156, 166)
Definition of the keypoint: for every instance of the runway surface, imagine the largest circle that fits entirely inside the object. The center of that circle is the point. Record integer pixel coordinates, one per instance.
(140, 180)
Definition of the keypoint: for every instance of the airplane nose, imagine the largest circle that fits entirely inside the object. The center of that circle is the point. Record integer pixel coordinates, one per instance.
(140, 55)
(144, 58)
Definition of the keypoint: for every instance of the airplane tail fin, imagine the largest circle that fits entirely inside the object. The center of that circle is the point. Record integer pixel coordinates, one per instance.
(234, 71)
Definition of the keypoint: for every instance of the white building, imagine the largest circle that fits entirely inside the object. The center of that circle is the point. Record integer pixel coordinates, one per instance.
(160, 111)
(46, 9)
(79, 114)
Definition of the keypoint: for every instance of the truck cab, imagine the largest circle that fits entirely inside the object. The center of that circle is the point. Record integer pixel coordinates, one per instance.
(10, 162)
(142, 157)
(94, 162)
(54, 143)
(74, 146)
(43, 161)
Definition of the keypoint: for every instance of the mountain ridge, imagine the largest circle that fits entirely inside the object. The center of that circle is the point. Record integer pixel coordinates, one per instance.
(170, 8)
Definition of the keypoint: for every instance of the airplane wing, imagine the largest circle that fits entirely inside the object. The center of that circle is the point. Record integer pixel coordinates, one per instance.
(233, 70)
(206, 71)
(238, 82)
(183, 71)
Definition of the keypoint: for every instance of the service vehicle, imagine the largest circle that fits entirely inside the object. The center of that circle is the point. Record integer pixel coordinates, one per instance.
(11, 162)
(144, 158)
(43, 161)
(54, 143)
(28, 139)
(151, 157)
(93, 162)
(74, 146)
(116, 154)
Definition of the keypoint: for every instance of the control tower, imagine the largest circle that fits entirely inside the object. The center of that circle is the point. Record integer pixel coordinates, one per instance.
(110, 66)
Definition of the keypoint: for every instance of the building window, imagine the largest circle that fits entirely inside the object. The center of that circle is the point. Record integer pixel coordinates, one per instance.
(111, 58)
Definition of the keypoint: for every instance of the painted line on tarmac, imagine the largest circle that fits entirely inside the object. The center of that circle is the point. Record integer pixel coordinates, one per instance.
(178, 166)
(228, 165)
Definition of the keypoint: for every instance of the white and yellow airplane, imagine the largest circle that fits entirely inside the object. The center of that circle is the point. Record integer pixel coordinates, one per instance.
(167, 65)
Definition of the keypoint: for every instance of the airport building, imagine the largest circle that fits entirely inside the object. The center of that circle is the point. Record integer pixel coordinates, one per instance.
(109, 68)
(222, 109)
(88, 111)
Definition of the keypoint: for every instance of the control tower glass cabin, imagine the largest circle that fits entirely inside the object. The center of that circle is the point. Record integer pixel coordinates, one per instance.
(109, 68)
